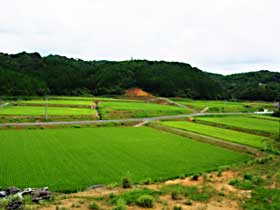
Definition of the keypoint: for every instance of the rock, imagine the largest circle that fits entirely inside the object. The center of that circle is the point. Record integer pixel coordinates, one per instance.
(12, 190)
(3, 194)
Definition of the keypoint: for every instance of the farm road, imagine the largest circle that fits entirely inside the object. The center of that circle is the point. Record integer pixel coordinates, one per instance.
(149, 119)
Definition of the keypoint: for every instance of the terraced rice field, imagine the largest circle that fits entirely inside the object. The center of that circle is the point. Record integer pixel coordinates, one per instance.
(220, 133)
(40, 110)
(250, 123)
(59, 102)
(71, 158)
(138, 109)
(224, 106)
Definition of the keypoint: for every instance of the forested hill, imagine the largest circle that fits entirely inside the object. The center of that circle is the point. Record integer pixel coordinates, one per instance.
(31, 74)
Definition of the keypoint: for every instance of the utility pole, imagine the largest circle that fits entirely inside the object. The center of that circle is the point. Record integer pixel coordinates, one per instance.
(46, 108)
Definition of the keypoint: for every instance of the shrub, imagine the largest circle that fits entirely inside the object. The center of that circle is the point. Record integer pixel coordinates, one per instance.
(221, 193)
(94, 206)
(131, 196)
(195, 177)
(3, 203)
(147, 181)
(248, 176)
(174, 195)
(121, 205)
(219, 173)
(234, 182)
(177, 208)
(188, 202)
(146, 201)
(126, 183)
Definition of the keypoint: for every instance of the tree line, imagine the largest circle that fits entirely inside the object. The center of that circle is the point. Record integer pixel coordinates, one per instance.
(30, 74)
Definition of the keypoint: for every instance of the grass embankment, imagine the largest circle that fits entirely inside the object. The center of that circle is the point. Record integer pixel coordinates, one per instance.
(220, 133)
(244, 122)
(72, 159)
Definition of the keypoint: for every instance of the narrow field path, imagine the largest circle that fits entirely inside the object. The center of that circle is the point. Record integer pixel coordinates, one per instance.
(175, 103)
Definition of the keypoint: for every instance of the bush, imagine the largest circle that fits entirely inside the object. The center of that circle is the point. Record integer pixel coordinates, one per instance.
(121, 205)
(248, 176)
(219, 173)
(4, 203)
(126, 183)
(177, 208)
(94, 206)
(131, 196)
(174, 195)
(147, 181)
(234, 182)
(188, 202)
(195, 177)
(146, 201)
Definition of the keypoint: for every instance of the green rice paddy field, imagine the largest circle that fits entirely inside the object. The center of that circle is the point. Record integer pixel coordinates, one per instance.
(224, 106)
(220, 133)
(138, 109)
(75, 158)
(245, 122)
(40, 110)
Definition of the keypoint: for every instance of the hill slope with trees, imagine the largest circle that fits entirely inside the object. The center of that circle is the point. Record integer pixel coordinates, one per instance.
(31, 74)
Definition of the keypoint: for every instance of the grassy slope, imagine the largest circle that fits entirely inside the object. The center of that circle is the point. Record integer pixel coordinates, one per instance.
(225, 134)
(69, 159)
(251, 123)
(32, 110)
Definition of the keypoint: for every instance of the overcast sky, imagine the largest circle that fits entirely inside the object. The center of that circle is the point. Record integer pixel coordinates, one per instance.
(222, 36)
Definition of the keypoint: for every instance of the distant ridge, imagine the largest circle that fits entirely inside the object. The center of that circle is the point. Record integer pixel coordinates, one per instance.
(31, 74)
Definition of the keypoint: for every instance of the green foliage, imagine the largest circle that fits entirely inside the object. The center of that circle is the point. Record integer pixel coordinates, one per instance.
(3, 203)
(249, 182)
(30, 74)
(94, 206)
(89, 156)
(121, 205)
(146, 201)
(263, 199)
(126, 182)
(60, 75)
(177, 207)
(192, 192)
(131, 197)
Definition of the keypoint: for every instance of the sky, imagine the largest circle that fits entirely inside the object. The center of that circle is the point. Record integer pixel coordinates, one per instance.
(220, 36)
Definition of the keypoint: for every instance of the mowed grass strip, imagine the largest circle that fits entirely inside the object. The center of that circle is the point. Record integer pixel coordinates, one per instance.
(250, 123)
(73, 159)
(40, 110)
(220, 133)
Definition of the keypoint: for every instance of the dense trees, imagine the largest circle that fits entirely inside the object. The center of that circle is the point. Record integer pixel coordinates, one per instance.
(31, 74)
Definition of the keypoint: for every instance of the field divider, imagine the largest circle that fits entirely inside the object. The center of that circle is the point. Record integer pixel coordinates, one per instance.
(206, 139)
